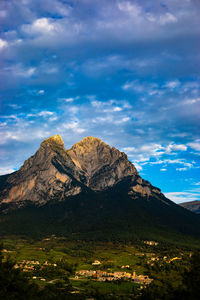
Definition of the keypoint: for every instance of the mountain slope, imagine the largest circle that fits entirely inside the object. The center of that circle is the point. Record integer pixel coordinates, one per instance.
(91, 191)
(193, 206)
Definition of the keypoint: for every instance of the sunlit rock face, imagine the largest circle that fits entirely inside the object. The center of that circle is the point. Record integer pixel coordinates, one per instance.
(48, 174)
(54, 173)
(103, 166)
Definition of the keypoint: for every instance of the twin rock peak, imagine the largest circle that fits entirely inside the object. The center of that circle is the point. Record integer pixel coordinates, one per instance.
(56, 173)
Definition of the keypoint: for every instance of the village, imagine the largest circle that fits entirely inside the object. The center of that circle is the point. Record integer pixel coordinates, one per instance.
(113, 276)
(102, 276)
(29, 265)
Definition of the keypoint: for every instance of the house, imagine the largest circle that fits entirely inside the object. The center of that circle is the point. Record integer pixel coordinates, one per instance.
(125, 267)
(142, 279)
(96, 263)
(151, 243)
(174, 258)
(86, 273)
(155, 259)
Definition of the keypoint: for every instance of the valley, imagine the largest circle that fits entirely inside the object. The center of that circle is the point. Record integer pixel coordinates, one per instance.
(86, 268)
(83, 224)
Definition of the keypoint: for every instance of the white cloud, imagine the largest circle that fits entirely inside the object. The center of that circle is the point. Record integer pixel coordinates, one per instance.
(73, 110)
(41, 92)
(172, 84)
(195, 145)
(4, 171)
(129, 149)
(112, 120)
(167, 19)
(41, 26)
(172, 161)
(174, 147)
(117, 108)
(191, 101)
(74, 126)
(156, 151)
(180, 197)
(14, 106)
(181, 169)
(20, 70)
(53, 118)
(138, 167)
(133, 85)
(163, 170)
(69, 99)
(179, 147)
(124, 120)
(3, 44)
(162, 19)
(29, 72)
(144, 152)
(43, 113)
(129, 7)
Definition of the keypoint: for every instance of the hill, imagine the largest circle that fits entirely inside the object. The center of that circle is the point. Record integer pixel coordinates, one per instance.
(193, 206)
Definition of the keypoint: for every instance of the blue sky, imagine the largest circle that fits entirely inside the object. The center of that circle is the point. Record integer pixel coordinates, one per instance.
(124, 71)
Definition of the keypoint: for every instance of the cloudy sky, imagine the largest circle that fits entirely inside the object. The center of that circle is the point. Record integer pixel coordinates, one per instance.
(124, 71)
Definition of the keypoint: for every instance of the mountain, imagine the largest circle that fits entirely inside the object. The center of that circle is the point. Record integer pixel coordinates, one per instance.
(193, 206)
(91, 191)
(54, 172)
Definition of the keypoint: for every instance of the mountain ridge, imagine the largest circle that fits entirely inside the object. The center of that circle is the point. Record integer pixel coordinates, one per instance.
(54, 170)
(89, 191)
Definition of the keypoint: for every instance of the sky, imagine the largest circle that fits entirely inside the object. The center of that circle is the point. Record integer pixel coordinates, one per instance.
(124, 71)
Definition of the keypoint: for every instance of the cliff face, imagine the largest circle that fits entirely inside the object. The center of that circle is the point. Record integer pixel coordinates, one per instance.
(55, 173)
(103, 166)
(48, 174)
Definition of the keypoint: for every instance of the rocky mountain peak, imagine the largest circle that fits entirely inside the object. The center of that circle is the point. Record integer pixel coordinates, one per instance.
(56, 173)
(89, 140)
(91, 154)
(53, 140)
(103, 165)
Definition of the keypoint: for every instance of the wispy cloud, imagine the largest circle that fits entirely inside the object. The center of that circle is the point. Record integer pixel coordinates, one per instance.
(180, 197)
(195, 145)
(5, 170)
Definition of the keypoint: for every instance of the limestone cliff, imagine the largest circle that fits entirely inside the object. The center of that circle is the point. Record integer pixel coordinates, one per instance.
(54, 173)
(103, 166)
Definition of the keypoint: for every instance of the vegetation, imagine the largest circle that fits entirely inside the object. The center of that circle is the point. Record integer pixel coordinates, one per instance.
(14, 284)
(175, 281)
(175, 271)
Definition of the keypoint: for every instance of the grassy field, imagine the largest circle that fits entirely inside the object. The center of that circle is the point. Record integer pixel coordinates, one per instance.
(111, 256)
(122, 288)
